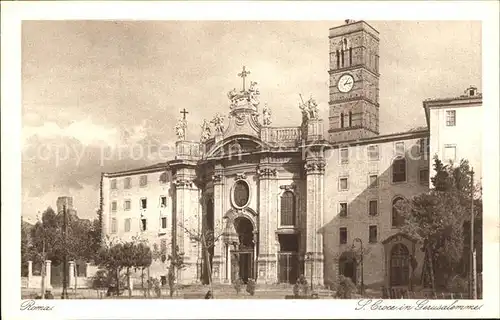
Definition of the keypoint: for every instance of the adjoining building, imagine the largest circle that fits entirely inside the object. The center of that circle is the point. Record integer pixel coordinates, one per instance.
(286, 200)
(455, 126)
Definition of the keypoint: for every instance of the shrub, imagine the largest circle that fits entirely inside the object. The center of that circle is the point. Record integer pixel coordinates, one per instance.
(458, 285)
(251, 287)
(302, 286)
(156, 285)
(237, 285)
(104, 279)
(345, 288)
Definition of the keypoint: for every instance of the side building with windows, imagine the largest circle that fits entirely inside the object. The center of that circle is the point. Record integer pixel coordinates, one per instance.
(138, 204)
(365, 178)
(455, 126)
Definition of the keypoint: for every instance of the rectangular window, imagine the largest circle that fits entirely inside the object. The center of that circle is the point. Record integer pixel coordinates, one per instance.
(451, 118)
(113, 206)
(163, 222)
(144, 224)
(373, 207)
(424, 146)
(126, 205)
(114, 226)
(128, 224)
(373, 181)
(343, 235)
(450, 153)
(163, 246)
(344, 155)
(343, 184)
(373, 153)
(113, 184)
(373, 234)
(163, 201)
(400, 148)
(424, 176)
(143, 181)
(144, 203)
(343, 209)
(127, 183)
(399, 170)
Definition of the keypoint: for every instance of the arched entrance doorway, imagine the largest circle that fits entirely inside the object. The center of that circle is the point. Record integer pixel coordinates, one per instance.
(242, 258)
(348, 266)
(400, 265)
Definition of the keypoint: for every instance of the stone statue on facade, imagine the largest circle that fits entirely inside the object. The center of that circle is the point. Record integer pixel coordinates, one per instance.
(309, 109)
(313, 108)
(180, 129)
(266, 115)
(233, 96)
(206, 131)
(253, 94)
(218, 122)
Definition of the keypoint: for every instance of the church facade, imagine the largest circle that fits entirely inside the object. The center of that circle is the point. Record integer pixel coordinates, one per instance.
(284, 201)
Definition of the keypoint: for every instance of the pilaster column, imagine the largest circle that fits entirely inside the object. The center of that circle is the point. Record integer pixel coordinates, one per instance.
(218, 267)
(48, 274)
(315, 170)
(266, 260)
(71, 273)
(184, 219)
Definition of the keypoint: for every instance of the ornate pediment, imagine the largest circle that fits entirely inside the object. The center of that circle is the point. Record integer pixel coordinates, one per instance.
(236, 146)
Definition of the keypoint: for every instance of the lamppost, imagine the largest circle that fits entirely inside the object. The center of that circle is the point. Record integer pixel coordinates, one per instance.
(361, 260)
(309, 257)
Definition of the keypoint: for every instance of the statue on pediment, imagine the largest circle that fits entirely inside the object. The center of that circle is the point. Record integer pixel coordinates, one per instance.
(309, 109)
(218, 122)
(266, 115)
(313, 108)
(253, 94)
(180, 129)
(206, 131)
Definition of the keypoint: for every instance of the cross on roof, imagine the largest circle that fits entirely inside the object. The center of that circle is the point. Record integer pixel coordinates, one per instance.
(243, 74)
(184, 112)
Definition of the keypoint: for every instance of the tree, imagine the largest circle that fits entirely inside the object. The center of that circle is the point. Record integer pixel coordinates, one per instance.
(118, 256)
(437, 220)
(207, 239)
(176, 263)
(82, 242)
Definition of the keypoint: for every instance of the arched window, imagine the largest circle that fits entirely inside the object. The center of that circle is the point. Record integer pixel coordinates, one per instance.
(350, 118)
(399, 170)
(288, 209)
(342, 56)
(338, 59)
(341, 120)
(350, 56)
(397, 219)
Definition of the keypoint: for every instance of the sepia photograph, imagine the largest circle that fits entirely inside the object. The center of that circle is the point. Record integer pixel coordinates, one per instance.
(178, 159)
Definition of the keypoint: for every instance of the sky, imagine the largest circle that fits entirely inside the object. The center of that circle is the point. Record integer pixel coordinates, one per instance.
(103, 96)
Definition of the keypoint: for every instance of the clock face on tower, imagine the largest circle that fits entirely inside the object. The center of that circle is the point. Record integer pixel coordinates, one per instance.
(346, 82)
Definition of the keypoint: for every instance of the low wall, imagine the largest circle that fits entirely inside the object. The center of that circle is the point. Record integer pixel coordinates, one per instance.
(34, 282)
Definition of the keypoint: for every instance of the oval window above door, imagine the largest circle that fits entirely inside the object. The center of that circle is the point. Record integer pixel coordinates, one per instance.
(241, 194)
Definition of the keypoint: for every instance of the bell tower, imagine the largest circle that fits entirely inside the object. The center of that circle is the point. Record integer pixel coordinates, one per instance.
(354, 81)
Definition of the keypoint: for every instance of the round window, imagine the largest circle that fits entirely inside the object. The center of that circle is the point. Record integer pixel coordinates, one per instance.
(241, 194)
